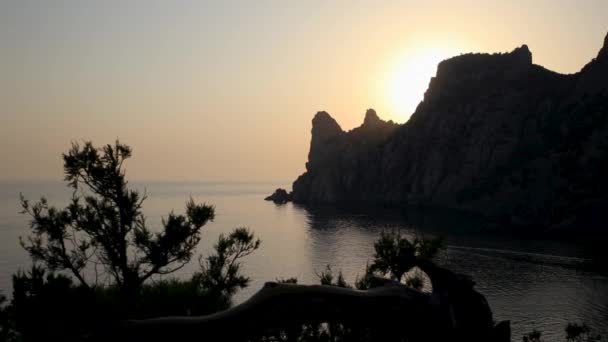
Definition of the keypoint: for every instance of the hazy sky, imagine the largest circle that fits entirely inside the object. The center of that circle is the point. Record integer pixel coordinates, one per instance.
(226, 90)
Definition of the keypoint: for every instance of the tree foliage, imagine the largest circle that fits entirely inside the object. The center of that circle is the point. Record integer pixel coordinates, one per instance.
(395, 254)
(533, 336)
(327, 278)
(7, 328)
(47, 306)
(576, 332)
(104, 224)
(220, 273)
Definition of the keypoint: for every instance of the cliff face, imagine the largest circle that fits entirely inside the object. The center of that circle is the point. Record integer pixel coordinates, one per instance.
(338, 160)
(495, 134)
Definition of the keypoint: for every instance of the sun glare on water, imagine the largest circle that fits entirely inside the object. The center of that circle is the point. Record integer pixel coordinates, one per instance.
(409, 78)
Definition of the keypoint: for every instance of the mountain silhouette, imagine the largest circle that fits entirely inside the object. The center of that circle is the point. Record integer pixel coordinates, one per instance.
(495, 134)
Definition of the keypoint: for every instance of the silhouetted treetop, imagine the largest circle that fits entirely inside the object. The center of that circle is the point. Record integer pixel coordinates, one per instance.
(104, 224)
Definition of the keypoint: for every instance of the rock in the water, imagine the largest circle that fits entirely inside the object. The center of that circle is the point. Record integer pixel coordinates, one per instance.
(279, 196)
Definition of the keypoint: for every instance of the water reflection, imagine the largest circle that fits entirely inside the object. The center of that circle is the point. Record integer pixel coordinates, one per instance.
(533, 283)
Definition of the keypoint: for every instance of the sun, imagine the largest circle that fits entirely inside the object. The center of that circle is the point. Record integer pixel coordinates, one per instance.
(409, 78)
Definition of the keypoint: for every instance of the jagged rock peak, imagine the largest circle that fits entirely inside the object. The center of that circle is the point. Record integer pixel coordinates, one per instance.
(371, 118)
(323, 125)
(603, 54)
(458, 67)
(523, 54)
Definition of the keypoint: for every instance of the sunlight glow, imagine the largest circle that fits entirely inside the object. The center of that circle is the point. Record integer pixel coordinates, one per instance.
(409, 78)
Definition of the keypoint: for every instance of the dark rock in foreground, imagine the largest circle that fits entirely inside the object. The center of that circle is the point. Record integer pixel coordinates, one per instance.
(279, 196)
(494, 134)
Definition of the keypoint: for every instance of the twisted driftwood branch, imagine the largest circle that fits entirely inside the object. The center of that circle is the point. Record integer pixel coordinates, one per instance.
(453, 311)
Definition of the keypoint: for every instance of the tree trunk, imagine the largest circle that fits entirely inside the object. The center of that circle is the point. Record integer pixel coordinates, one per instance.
(453, 312)
(280, 305)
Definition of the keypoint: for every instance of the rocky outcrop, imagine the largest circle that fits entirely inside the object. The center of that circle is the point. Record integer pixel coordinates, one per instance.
(592, 78)
(279, 196)
(603, 54)
(336, 157)
(494, 134)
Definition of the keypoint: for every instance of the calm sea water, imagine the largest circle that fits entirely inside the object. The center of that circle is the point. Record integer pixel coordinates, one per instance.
(532, 283)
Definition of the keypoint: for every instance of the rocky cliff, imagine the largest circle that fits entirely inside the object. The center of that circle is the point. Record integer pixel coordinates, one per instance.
(495, 134)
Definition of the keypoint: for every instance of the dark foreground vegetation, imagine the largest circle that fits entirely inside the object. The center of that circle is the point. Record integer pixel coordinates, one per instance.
(96, 262)
(97, 266)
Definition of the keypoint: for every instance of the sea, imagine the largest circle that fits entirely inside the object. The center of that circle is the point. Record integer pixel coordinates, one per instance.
(534, 283)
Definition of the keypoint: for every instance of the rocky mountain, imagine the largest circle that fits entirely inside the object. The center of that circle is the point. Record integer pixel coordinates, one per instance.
(495, 134)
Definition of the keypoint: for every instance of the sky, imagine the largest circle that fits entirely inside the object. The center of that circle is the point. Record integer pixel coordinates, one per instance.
(226, 90)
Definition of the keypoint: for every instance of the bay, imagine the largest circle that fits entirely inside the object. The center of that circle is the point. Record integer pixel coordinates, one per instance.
(536, 284)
